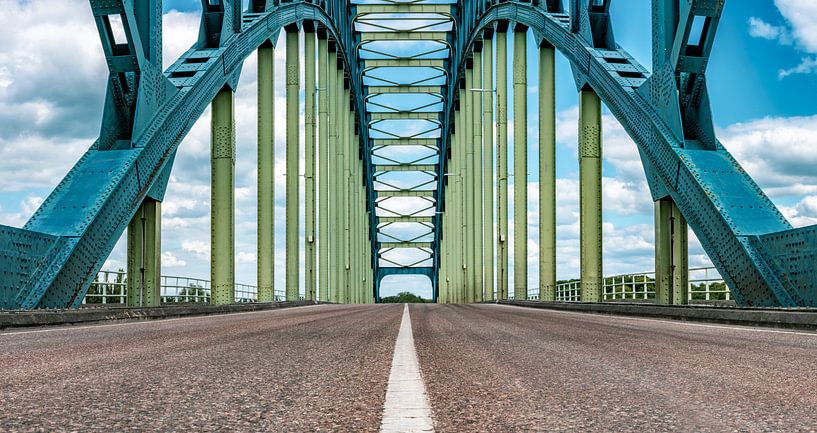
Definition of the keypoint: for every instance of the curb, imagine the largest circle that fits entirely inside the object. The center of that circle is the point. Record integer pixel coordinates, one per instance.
(794, 318)
(21, 318)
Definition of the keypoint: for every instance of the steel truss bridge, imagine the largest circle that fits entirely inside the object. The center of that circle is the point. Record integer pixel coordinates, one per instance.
(400, 146)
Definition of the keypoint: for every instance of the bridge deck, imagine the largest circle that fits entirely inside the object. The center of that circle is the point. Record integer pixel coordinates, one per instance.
(485, 368)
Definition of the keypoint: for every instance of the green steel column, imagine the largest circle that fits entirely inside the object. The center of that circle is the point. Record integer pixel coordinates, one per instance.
(502, 163)
(590, 195)
(336, 200)
(671, 254)
(470, 182)
(477, 228)
(520, 164)
(547, 172)
(488, 167)
(462, 178)
(345, 252)
(323, 169)
(266, 173)
(222, 199)
(453, 208)
(145, 256)
(310, 256)
(293, 161)
(332, 148)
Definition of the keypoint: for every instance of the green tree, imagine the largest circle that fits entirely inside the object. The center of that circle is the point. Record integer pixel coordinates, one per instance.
(404, 298)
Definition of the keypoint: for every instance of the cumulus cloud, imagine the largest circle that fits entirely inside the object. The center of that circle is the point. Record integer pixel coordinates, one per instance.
(799, 29)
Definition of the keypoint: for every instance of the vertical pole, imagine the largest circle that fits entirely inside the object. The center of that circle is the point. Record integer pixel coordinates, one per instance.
(323, 168)
(344, 161)
(520, 163)
(293, 161)
(337, 190)
(477, 190)
(266, 173)
(502, 162)
(470, 178)
(332, 148)
(456, 209)
(547, 172)
(671, 254)
(590, 195)
(309, 166)
(488, 167)
(145, 255)
(222, 200)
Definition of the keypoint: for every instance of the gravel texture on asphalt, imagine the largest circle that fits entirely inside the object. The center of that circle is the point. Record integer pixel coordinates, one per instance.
(321, 368)
(510, 369)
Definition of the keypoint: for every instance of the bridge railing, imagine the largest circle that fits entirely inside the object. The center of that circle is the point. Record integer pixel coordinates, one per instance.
(705, 284)
(110, 287)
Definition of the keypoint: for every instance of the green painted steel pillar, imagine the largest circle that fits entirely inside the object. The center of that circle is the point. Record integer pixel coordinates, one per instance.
(671, 254)
(333, 213)
(455, 208)
(310, 244)
(222, 199)
(502, 164)
(323, 168)
(488, 167)
(345, 181)
(590, 196)
(266, 173)
(547, 172)
(293, 85)
(144, 285)
(520, 163)
(477, 219)
(470, 183)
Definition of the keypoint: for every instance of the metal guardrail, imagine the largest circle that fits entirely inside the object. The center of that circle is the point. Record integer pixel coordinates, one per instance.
(110, 287)
(705, 284)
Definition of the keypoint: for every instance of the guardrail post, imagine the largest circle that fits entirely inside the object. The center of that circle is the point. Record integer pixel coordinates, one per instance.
(590, 195)
(293, 85)
(488, 165)
(145, 256)
(266, 173)
(520, 163)
(671, 254)
(502, 160)
(547, 172)
(222, 213)
(309, 164)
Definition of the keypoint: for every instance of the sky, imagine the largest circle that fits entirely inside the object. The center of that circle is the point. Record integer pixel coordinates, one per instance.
(762, 80)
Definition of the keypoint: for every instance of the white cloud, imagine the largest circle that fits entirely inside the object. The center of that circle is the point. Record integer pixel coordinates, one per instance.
(761, 29)
(171, 261)
(800, 29)
(807, 66)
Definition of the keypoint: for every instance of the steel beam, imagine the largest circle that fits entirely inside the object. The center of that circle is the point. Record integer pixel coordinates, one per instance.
(310, 251)
(470, 179)
(345, 186)
(488, 168)
(502, 163)
(293, 84)
(323, 169)
(222, 199)
(477, 218)
(144, 283)
(266, 173)
(671, 254)
(335, 172)
(590, 195)
(520, 164)
(547, 173)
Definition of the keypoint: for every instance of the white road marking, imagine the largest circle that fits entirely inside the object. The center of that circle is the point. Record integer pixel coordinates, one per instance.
(615, 317)
(143, 322)
(406, 409)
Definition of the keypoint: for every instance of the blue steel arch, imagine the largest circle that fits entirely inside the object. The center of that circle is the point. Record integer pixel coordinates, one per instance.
(762, 258)
(52, 260)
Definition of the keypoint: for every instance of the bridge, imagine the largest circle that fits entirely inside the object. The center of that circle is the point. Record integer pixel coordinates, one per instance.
(404, 143)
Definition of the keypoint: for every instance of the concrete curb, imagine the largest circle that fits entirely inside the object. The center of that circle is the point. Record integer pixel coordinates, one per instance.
(20, 319)
(795, 318)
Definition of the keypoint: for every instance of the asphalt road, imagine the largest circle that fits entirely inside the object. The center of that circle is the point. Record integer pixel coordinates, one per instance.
(485, 368)
(499, 368)
(322, 368)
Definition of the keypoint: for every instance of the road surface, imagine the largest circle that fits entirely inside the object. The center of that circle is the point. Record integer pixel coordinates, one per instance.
(485, 368)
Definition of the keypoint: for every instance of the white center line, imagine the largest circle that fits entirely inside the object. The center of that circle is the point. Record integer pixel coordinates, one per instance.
(406, 408)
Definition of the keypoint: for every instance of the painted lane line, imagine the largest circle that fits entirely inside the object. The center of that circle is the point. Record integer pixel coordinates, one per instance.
(406, 409)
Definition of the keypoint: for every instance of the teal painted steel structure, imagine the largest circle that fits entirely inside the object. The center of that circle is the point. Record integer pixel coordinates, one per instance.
(52, 260)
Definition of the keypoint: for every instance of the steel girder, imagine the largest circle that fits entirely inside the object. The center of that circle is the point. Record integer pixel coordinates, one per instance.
(53, 259)
(51, 262)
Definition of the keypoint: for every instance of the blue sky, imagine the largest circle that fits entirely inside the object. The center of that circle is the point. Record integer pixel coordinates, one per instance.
(762, 82)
